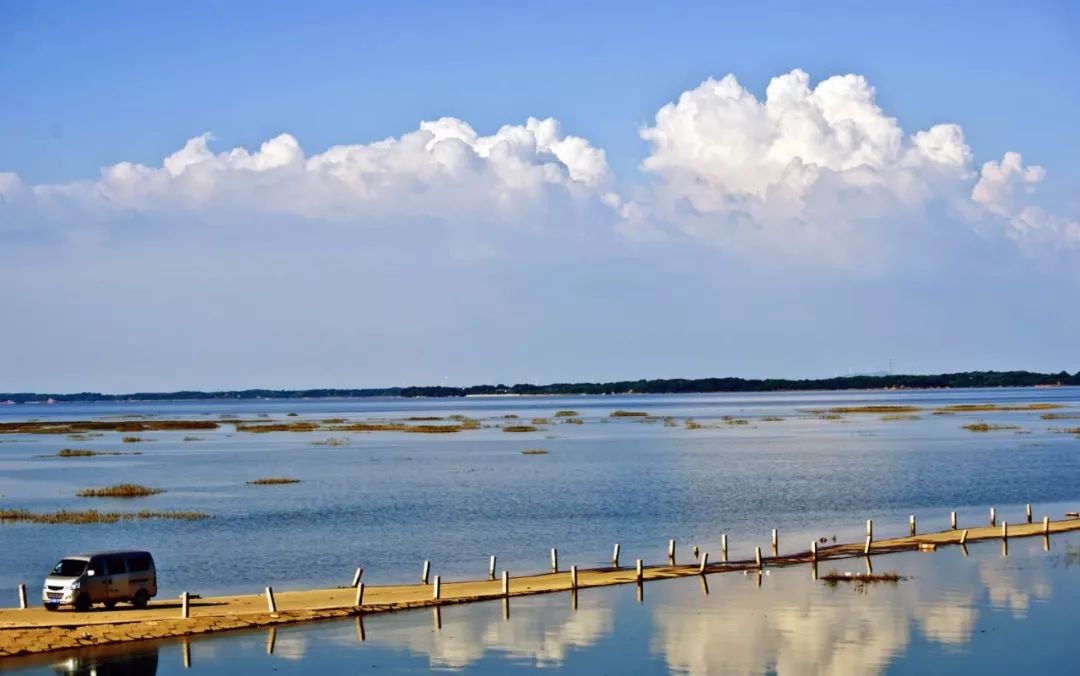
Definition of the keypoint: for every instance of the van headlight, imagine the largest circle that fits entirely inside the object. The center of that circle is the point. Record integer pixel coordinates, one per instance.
(75, 585)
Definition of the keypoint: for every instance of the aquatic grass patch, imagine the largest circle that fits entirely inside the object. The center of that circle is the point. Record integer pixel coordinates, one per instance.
(859, 581)
(93, 516)
(540, 421)
(566, 413)
(975, 408)
(124, 490)
(692, 424)
(772, 418)
(534, 451)
(520, 428)
(735, 421)
(191, 438)
(628, 414)
(899, 416)
(875, 408)
(1060, 416)
(986, 427)
(332, 441)
(262, 428)
(422, 418)
(134, 440)
(85, 453)
(87, 426)
(572, 421)
(273, 481)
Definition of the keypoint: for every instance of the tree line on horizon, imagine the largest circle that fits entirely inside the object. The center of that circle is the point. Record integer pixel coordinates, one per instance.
(966, 379)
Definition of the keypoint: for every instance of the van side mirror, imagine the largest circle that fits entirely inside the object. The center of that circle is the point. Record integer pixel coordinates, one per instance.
(90, 572)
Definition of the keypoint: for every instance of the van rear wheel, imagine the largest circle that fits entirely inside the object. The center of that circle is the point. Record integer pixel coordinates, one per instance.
(141, 599)
(82, 604)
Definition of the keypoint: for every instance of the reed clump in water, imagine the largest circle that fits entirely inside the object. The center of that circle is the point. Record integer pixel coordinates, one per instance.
(520, 428)
(899, 416)
(82, 453)
(133, 440)
(628, 414)
(257, 428)
(566, 413)
(860, 580)
(191, 438)
(692, 424)
(735, 421)
(332, 441)
(125, 490)
(772, 418)
(273, 481)
(92, 516)
(572, 421)
(1060, 416)
(534, 451)
(540, 421)
(986, 427)
(423, 418)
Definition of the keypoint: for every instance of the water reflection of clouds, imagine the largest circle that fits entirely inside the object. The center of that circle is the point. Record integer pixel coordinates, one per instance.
(542, 634)
(1008, 591)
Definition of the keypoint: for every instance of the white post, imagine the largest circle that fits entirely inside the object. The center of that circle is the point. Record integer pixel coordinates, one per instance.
(356, 576)
(963, 536)
(775, 539)
(1046, 525)
(723, 547)
(704, 562)
(359, 595)
(424, 573)
(993, 516)
(491, 567)
(813, 551)
(866, 547)
(506, 583)
(952, 520)
(22, 596)
(573, 577)
(1004, 530)
(270, 604)
(554, 560)
(640, 571)
(184, 610)
(911, 524)
(1027, 511)
(870, 528)
(435, 593)
(615, 556)
(671, 550)
(757, 557)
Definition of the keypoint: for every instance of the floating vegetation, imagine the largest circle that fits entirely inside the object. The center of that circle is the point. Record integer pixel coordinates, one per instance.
(965, 408)
(875, 408)
(1060, 416)
(277, 427)
(628, 414)
(426, 417)
(292, 414)
(566, 413)
(332, 441)
(125, 490)
(333, 421)
(540, 421)
(735, 421)
(84, 426)
(83, 453)
(273, 481)
(534, 451)
(986, 427)
(860, 580)
(573, 421)
(399, 427)
(772, 418)
(830, 416)
(92, 516)
(692, 424)
(133, 440)
(510, 416)
(520, 428)
(899, 416)
(670, 422)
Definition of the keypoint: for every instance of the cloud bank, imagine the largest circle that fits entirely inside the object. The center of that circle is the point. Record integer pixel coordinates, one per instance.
(813, 172)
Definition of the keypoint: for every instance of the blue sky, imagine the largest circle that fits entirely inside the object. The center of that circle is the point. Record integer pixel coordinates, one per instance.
(655, 253)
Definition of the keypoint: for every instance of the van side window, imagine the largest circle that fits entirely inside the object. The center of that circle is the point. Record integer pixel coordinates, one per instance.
(97, 564)
(115, 565)
(138, 563)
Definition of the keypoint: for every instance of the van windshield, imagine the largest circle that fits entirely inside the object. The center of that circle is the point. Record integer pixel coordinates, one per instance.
(69, 568)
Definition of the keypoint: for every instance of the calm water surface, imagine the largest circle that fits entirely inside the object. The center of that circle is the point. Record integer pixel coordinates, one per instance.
(977, 613)
(387, 501)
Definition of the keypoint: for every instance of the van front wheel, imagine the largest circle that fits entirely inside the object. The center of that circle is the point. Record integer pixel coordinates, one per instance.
(141, 599)
(82, 604)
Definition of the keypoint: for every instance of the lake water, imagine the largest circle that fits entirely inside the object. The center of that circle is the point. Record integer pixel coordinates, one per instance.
(973, 612)
(389, 500)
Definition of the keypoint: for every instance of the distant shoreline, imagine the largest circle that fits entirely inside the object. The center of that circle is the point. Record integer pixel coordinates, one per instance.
(964, 380)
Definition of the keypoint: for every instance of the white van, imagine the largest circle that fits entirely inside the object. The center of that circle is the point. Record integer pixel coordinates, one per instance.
(101, 577)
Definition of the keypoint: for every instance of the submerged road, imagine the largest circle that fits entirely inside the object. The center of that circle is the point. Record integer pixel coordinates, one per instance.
(35, 630)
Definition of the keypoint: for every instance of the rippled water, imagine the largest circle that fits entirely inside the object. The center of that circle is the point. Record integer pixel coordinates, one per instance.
(957, 613)
(387, 501)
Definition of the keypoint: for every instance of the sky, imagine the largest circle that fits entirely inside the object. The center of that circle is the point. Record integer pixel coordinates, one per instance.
(233, 195)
